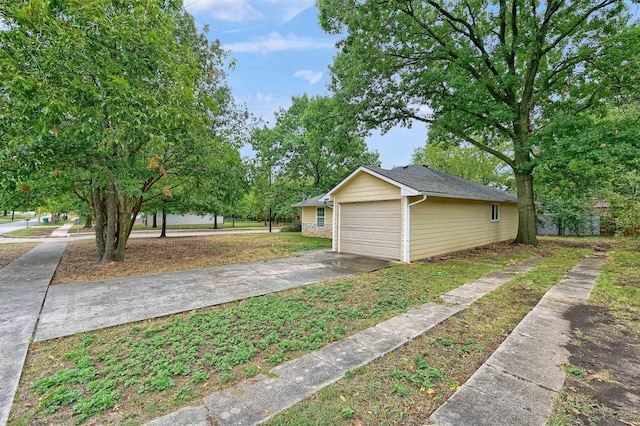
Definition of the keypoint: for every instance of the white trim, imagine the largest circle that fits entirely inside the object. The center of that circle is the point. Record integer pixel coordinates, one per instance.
(497, 219)
(407, 226)
(405, 191)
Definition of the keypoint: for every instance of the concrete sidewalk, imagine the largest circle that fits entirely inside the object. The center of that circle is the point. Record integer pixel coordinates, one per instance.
(258, 400)
(23, 286)
(74, 308)
(519, 383)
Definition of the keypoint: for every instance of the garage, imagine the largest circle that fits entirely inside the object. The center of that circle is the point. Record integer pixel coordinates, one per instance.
(371, 229)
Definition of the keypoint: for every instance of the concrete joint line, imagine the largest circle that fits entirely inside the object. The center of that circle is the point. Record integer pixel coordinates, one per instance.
(525, 390)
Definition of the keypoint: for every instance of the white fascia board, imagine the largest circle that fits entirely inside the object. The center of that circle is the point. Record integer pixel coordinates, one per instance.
(405, 191)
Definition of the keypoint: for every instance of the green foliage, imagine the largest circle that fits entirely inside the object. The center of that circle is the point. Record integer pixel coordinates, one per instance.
(115, 102)
(466, 162)
(310, 149)
(491, 74)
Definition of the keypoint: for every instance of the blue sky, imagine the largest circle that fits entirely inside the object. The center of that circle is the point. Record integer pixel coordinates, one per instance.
(281, 52)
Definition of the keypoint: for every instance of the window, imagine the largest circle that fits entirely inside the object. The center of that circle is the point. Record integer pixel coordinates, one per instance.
(495, 212)
(320, 217)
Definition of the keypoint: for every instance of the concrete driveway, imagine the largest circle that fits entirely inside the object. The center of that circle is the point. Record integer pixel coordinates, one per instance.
(74, 308)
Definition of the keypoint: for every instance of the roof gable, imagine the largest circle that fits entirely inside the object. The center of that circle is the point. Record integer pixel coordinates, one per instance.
(317, 201)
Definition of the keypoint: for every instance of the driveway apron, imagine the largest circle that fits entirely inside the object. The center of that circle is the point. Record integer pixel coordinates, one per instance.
(23, 286)
(74, 308)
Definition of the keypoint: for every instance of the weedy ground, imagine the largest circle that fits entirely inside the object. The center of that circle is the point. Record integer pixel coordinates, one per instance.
(130, 374)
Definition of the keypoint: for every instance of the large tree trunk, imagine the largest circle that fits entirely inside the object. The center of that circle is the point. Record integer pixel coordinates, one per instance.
(114, 217)
(215, 220)
(99, 213)
(88, 222)
(526, 209)
(163, 234)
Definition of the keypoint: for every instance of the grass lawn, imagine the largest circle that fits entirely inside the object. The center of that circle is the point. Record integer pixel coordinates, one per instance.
(154, 255)
(34, 231)
(226, 225)
(603, 374)
(133, 373)
(17, 217)
(10, 252)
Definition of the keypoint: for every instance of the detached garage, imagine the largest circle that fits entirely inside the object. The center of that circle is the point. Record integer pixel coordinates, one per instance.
(414, 212)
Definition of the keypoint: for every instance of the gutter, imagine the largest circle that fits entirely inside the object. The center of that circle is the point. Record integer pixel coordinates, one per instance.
(407, 225)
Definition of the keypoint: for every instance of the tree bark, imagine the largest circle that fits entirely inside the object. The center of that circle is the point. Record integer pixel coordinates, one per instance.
(526, 209)
(88, 222)
(215, 220)
(163, 234)
(111, 204)
(155, 220)
(99, 213)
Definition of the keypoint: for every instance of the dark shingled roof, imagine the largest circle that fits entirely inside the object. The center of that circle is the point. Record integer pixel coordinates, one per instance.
(314, 202)
(435, 183)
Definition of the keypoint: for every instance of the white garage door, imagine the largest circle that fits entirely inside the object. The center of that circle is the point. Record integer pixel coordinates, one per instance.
(371, 229)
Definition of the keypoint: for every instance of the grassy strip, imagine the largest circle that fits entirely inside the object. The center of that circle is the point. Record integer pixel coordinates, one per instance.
(615, 308)
(34, 231)
(12, 251)
(406, 386)
(130, 374)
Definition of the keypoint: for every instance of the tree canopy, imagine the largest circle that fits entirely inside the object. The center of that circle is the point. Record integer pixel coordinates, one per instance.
(467, 162)
(110, 100)
(484, 72)
(311, 148)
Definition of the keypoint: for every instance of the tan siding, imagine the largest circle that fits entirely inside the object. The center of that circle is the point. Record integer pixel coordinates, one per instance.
(309, 216)
(309, 227)
(364, 187)
(440, 226)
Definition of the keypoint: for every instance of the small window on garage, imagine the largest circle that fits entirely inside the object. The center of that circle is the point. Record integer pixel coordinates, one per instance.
(320, 217)
(495, 212)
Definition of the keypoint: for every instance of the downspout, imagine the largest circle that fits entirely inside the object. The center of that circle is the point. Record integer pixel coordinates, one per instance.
(407, 226)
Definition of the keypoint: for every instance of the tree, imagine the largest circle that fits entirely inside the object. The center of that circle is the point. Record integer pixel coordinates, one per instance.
(484, 72)
(310, 149)
(466, 162)
(111, 99)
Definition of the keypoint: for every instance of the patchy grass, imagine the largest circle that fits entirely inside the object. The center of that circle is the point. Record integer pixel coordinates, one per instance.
(239, 224)
(603, 375)
(11, 251)
(131, 374)
(34, 231)
(406, 386)
(154, 255)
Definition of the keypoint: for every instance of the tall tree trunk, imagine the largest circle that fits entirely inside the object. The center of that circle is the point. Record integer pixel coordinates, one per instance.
(124, 219)
(87, 222)
(526, 209)
(99, 213)
(155, 220)
(111, 204)
(163, 234)
(215, 220)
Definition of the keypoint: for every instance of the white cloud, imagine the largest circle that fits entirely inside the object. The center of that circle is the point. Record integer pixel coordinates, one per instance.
(263, 98)
(289, 8)
(310, 76)
(275, 42)
(225, 10)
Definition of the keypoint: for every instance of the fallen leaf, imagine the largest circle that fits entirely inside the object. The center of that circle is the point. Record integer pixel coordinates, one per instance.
(343, 398)
(266, 412)
(431, 393)
(357, 423)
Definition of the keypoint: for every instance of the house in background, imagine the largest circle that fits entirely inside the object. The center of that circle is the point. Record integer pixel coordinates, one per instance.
(415, 212)
(316, 217)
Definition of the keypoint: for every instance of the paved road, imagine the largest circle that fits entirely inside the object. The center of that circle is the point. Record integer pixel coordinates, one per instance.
(14, 226)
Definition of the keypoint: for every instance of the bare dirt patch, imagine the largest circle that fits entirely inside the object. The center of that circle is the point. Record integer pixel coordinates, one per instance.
(609, 354)
(10, 252)
(154, 255)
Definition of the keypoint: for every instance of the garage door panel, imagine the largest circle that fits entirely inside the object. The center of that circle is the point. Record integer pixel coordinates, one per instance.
(371, 229)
